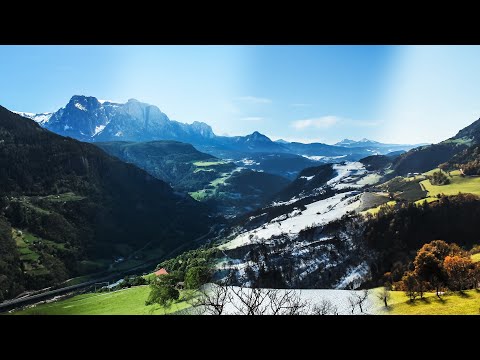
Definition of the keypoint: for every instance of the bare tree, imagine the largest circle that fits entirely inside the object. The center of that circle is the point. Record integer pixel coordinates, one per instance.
(362, 298)
(250, 301)
(211, 300)
(385, 295)
(358, 298)
(352, 301)
(286, 302)
(253, 301)
(325, 307)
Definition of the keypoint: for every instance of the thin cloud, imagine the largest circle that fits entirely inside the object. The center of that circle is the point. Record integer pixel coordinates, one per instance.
(252, 118)
(325, 122)
(319, 123)
(255, 100)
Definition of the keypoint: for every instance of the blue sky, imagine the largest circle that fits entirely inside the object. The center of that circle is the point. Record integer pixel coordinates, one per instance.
(401, 94)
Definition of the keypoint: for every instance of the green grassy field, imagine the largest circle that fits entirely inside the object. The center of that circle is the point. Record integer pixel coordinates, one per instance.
(203, 194)
(476, 257)
(462, 141)
(199, 195)
(122, 302)
(375, 210)
(457, 184)
(467, 303)
(428, 173)
(69, 196)
(29, 256)
(220, 180)
(428, 199)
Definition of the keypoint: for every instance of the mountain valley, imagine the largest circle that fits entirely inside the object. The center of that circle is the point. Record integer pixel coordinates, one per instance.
(123, 182)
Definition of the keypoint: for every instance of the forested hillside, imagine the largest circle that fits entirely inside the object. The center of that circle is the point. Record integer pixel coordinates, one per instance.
(74, 208)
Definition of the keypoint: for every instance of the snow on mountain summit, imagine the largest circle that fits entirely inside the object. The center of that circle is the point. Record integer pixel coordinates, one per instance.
(88, 119)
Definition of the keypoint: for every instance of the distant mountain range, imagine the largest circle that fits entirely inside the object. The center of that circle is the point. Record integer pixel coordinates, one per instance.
(88, 119)
(371, 143)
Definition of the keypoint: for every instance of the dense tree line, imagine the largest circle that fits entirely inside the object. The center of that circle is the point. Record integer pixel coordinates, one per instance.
(468, 161)
(11, 276)
(396, 233)
(203, 256)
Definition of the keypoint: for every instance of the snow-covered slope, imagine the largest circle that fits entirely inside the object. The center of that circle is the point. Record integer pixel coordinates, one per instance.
(318, 213)
(41, 118)
(304, 241)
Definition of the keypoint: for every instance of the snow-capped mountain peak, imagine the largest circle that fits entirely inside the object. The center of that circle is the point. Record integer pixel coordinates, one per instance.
(88, 119)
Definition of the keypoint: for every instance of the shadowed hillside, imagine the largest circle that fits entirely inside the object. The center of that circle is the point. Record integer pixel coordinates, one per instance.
(71, 203)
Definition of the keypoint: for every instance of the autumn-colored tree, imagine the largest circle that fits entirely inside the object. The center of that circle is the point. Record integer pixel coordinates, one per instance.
(429, 264)
(410, 285)
(430, 269)
(439, 248)
(457, 250)
(458, 271)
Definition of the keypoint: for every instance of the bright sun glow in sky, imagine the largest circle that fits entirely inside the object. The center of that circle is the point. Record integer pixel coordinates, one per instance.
(400, 94)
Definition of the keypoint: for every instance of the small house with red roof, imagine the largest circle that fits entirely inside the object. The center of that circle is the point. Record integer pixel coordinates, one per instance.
(162, 271)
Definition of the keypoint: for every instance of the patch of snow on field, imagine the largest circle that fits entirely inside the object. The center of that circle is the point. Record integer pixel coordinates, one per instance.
(317, 213)
(346, 170)
(249, 162)
(280, 203)
(370, 179)
(314, 158)
(339, 298)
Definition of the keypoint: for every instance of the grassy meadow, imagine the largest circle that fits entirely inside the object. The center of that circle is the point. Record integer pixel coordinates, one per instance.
(466, 303)
(130, 301)
(467, 184)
